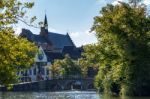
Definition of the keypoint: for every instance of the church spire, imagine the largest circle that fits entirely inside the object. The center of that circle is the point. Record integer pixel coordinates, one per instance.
(45, 22)
(44, 28)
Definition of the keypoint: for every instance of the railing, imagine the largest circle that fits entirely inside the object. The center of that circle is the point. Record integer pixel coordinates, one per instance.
(71, 77)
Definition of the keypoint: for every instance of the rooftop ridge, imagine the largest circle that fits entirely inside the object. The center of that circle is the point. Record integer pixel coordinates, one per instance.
(70, 38)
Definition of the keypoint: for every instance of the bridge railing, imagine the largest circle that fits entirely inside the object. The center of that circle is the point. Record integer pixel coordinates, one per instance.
(71, 77)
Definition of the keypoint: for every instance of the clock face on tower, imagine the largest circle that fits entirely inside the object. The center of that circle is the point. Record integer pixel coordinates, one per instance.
(40, 55)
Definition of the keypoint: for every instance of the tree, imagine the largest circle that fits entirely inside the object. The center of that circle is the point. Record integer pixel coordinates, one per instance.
(56, 69)
(89, 60)
(122, 51)
(65, 67)
(15, 53)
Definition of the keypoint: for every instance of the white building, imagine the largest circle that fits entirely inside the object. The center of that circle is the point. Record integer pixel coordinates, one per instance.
(39, 71)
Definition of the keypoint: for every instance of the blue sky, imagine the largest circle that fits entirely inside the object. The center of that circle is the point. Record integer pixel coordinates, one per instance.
(73, 16)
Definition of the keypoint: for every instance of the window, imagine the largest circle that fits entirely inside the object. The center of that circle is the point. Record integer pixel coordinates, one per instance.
(26, 73)
(30, 72)
(34, 71)
(42, 71)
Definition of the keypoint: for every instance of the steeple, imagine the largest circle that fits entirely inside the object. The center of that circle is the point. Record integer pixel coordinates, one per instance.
(44, 28)
(45, 22)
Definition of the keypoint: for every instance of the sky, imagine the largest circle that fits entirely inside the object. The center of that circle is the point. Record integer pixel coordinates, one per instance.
(72, 16)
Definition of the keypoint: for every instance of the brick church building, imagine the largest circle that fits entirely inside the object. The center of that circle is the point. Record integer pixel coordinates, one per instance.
(52, 46)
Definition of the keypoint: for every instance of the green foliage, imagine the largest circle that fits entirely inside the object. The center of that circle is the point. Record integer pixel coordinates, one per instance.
(65, 67)
(15, 53)
(89, 59)
(83, 63)
(122, 51)
(12, 11)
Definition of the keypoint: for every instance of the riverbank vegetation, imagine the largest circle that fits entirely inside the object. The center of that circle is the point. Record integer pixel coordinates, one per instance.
(123, 49)
(15, 53)
(69, 67)
(66, 67)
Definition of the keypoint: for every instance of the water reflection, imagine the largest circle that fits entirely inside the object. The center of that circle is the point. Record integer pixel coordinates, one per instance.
(50, 95)
(60, 95)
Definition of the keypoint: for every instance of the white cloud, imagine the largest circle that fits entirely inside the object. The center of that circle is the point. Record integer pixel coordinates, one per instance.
(83, 37)
(146, 2)
(17, 30)
(117, 2)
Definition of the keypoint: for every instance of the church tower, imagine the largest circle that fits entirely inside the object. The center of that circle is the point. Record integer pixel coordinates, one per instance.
(44, 28)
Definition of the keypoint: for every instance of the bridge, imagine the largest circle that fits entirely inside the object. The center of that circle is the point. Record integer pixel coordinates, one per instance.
(57, 84)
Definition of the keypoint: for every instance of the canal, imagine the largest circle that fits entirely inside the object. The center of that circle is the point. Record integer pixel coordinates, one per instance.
(60, 95)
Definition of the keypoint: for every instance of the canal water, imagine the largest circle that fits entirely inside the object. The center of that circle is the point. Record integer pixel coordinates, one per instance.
(60, 95)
